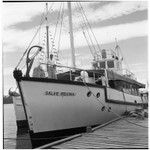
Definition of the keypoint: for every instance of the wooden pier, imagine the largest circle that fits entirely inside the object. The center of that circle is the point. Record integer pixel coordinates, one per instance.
(117, 135)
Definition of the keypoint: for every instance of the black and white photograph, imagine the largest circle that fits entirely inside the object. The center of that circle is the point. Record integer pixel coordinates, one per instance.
(75, 74)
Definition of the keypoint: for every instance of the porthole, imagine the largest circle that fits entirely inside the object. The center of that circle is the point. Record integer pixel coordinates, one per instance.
(98, 95)
(103, 108)
(89, 94)
(135, 101)
(109, 109)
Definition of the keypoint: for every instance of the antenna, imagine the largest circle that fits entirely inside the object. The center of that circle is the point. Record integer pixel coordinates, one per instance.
(116, 48)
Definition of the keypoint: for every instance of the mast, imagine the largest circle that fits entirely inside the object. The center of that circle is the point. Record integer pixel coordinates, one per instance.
(117, 51)
(47, 32)
(71, 35)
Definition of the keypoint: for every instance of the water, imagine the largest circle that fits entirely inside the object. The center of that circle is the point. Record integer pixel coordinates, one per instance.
(10, 128)
(13, 139)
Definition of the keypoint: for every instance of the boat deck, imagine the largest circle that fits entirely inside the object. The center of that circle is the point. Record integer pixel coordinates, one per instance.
(119, 134)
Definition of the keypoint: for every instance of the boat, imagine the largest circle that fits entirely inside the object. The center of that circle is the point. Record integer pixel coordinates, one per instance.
(58, 104)
(21, 121)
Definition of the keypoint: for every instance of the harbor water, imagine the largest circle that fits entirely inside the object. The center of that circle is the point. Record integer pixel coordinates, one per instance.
(10, 128)
(11, 138)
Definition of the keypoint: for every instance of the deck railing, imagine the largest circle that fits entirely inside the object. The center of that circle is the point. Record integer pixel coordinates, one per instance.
(71, 70)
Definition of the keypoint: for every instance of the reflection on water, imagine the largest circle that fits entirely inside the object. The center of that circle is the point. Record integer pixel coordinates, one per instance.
(10, 127)
(12, 138)
(23, 141)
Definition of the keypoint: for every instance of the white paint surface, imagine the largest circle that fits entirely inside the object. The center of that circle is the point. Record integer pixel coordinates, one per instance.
(51, 113)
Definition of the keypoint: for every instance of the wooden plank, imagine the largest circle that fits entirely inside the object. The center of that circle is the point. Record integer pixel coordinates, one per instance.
(120, 134)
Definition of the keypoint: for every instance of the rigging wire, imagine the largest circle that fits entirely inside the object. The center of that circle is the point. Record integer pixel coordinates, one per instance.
(87, 29)
(79, 4)
(52, 37)
(61, 24)
(57, 21)
(88, 44)
(55, 28)
(124, 59)
(119, 50)
(39, 36)
(42, 21)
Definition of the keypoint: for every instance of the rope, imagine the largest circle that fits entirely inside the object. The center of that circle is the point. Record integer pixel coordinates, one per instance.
(111, 110)
(57, 21)
(23, 66)
(42, 21)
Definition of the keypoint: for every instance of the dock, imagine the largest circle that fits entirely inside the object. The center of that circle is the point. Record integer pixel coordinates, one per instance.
(116, 135)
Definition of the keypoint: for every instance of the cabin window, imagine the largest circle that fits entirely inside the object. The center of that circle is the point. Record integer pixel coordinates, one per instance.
(117, 64)
(134, 90)
(102, 64)
(118, 85)
(111, 84)
(104, 54)
(110, 64)
(123, 87)
(128, 89)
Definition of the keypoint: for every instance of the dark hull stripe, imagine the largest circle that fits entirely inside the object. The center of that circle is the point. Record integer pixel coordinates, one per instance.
(42, 138)
(123, 102)
(22, 124)
(47, 80)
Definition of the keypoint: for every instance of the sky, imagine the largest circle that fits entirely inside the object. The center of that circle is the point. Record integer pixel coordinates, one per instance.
(125, 20)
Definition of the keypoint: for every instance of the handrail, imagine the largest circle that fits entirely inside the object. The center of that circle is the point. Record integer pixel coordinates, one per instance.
(62, 66)
(72, 69)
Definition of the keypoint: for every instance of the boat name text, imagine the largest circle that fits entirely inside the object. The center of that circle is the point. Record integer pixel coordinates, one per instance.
(53, 93)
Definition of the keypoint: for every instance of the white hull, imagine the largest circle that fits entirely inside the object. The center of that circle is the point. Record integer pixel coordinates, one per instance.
(47, 110)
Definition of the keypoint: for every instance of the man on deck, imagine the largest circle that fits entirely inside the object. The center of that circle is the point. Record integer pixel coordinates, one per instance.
(38, 72)
(51, 68)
